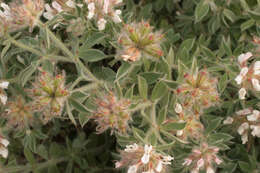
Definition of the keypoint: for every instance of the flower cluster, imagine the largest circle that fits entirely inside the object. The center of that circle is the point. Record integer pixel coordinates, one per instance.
(248, 77)
(49, 94)
(101, 9)
(199, 91)
(112, 113)
(20, 14)
(59, 6)
(203, 158)
(18, 113)
(193, 128)
(3, 147)
(245, 120)
(137, 40)
(143, 159)
(3, 97)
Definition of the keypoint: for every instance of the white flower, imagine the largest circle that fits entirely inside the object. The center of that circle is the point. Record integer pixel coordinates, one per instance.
(244, 57)
(146, 157)
(118, 1)
(179, 132)
(210, 170)
(229, 120)
(3, 150)
(167, 160)
(238, 79)
(4, 142)
(178, 108)
(116, 18)
(101, 24)
(244, 112)
(159, 166)
(257, 68)
(200, 163)
(70, 4)
(241, 129)
(244, 138)
(244, 71)
(56, 6)
(49, 14)
(254, 116)
(3, 98)
(131, 148)
(4, 84)
(256, 84)
(6, 13)
(132, 169)
(194, 171)
(255, 130)
(91, 10)
(187, 162)
(242, 93)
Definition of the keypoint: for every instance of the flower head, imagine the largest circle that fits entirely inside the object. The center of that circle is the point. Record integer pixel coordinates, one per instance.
(143, 159)
(137, 40)
(19, 113)
(112, 113)
(198, 91)
(102, 10)
(249, 76)
(49, 94)
(203, 158)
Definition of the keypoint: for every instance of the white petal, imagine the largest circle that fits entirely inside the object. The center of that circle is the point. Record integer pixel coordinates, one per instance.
(56, 6)
(70, 4)
(200, 163)
(254, 116)
(244, 57)
(5, 142)
(5, 6)
(257, 68)
(48, 15)
(132, 169)
(106, 4)
(244, 71)
(91, 6)
(159, 167)
(218, 161)
(239, 79)
(244, 112)
(4, 84)
(116, 18)
(256, 84)
(178, 108)
(187, 162)
(3, 99)
(229, 120)
(244, 138)
(101, 24)
(145, 159)
(210, 170)
(131, 148)
(4, 152)
(255, 130)
(147, 148)
(90, 15)
(242, 128)
(179, 132)
(242, 93)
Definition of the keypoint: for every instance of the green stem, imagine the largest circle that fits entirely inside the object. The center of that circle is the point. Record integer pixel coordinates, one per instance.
(61, 45)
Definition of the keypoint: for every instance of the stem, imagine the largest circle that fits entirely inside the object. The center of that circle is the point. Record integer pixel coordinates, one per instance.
(61, 45)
